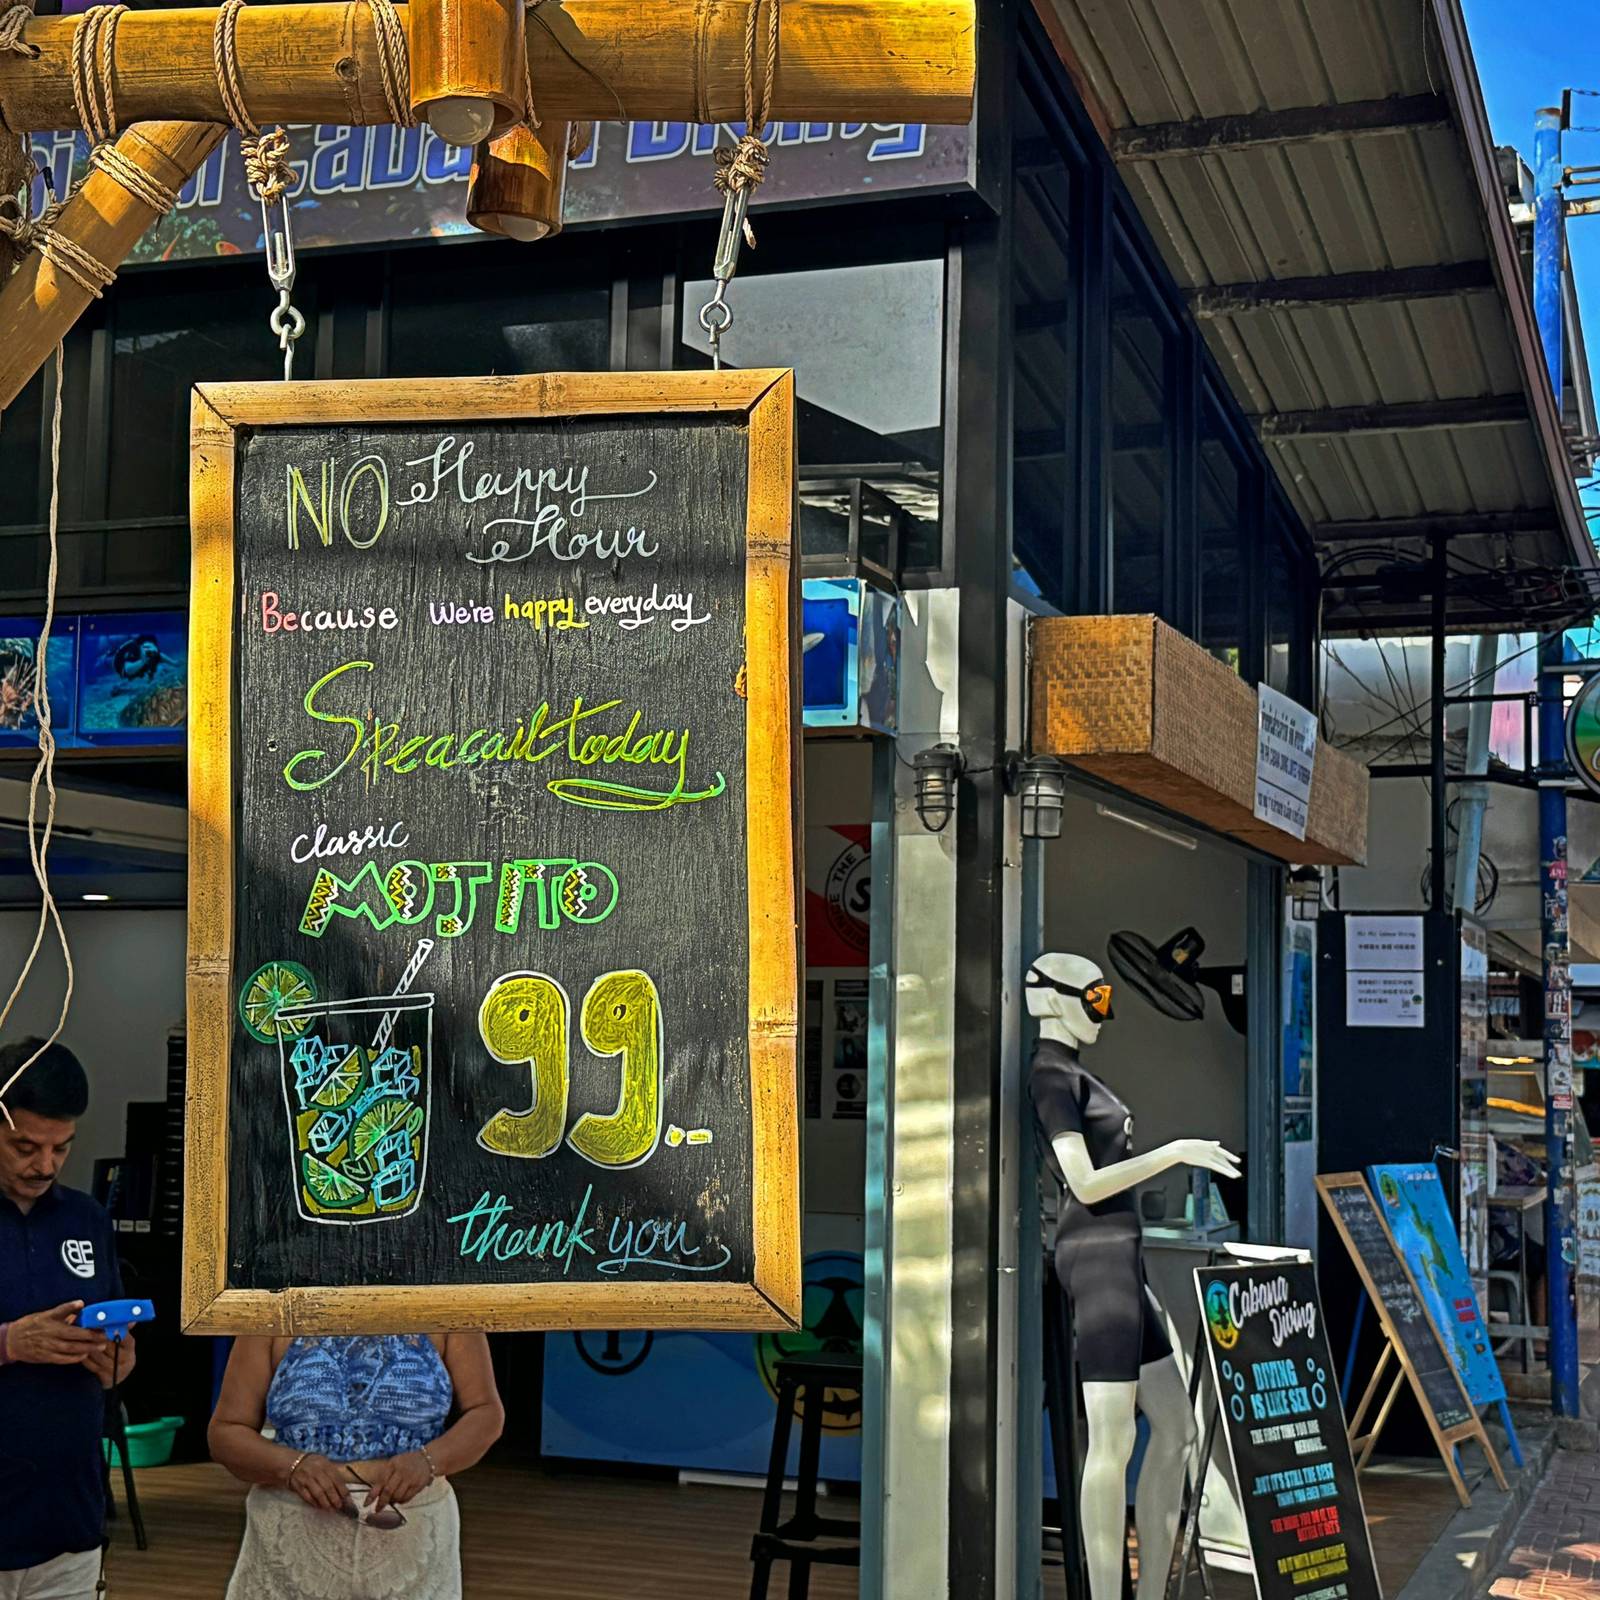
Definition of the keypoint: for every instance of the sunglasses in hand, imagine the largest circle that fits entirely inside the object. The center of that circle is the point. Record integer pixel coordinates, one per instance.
(385, 1521)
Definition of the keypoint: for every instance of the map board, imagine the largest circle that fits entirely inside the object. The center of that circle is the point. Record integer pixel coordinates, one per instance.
(1412, 1340)
(1418, 1215)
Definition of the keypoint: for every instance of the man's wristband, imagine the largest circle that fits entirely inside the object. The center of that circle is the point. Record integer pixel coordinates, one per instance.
(5, 1353)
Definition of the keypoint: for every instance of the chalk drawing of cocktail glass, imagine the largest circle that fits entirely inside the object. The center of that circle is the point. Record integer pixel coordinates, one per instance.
(356, 1078)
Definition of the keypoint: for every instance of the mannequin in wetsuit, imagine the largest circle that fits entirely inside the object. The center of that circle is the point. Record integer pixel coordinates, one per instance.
(1125, 1359)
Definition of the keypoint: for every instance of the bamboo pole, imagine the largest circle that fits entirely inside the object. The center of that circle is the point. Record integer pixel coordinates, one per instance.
(519, 181)
(590, 60)
(467, 74)
(38, 304)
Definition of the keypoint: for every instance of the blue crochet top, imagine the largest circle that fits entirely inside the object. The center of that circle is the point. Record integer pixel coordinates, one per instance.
(360, 1399)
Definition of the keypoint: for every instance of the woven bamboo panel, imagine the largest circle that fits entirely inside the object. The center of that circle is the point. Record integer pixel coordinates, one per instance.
(1137, 704)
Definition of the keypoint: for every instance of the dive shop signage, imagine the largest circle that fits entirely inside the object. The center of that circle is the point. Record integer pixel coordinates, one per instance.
(1583, 733)
(493, 923)
(1278, 1396)
(375, 185)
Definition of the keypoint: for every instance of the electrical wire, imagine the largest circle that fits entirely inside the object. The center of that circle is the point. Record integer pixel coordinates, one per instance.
(1466, 683)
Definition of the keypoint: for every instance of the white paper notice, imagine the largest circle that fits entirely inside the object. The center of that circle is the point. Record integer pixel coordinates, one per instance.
(1384, 1000)
(1385, 985)
(1383, 944)
(1286, 753)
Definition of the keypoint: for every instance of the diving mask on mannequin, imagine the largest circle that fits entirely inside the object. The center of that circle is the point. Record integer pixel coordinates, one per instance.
(1071, 993)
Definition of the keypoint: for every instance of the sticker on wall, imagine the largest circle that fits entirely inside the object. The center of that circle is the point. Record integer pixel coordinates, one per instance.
(850, 1048)
(838, 895)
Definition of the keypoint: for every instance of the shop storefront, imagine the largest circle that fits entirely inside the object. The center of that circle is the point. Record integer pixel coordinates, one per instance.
(1008, 415)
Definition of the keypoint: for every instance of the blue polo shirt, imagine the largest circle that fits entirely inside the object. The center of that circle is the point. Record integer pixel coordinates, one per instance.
(51, 1417)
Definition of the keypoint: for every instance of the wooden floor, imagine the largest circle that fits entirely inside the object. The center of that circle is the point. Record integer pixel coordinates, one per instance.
(572, 1536)
(580, 1536)
(1408, 1507)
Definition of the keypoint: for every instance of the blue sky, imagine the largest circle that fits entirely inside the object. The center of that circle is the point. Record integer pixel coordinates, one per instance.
(1526, 56)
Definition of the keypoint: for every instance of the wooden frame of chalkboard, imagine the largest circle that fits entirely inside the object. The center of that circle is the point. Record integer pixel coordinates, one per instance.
(1446, 1436)
(229, 420)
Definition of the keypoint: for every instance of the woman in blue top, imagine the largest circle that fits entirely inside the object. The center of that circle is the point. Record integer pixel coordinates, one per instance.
(361, 1426)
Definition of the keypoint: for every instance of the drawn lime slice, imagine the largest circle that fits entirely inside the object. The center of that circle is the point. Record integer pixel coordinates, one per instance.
(327, 1187)
(382, 1120)
(341, 1083)
(270, 989)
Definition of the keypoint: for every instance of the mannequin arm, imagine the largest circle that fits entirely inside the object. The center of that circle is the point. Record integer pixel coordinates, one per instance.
(1091, 1184)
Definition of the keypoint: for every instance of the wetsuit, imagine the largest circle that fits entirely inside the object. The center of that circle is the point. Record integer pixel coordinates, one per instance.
(1117, 1325)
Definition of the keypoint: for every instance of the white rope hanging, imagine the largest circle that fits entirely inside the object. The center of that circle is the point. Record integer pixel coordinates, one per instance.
(44, 772)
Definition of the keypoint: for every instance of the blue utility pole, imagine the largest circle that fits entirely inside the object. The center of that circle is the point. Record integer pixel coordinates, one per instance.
(1549, 257)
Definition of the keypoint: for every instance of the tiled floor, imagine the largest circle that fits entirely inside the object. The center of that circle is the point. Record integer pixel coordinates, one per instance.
(1557, 1553)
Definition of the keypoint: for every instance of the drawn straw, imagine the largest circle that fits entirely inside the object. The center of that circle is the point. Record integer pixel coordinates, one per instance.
(407, 978)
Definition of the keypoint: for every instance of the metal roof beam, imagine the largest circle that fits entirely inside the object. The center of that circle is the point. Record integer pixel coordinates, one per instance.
(1298, 124)
(1411, 417)
(1469, 525)
(1343, 289)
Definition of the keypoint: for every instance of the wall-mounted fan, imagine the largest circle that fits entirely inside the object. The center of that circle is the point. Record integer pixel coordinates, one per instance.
(1171, 978)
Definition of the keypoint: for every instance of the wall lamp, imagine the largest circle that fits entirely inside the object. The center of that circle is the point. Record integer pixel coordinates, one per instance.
(1040, 782)
(938, 768)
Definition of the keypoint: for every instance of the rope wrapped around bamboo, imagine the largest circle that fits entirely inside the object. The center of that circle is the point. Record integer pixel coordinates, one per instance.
(656, 60)
(100, 224)
(62, 251)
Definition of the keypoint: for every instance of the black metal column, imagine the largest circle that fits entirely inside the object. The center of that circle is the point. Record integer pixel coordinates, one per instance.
(1436, 707)
(1264, 1054)
(976, 520)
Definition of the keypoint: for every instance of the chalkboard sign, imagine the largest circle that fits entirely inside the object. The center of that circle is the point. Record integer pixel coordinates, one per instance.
(493, 922)
(1389, 1281)
(1411, 1338)
(1278, 1397)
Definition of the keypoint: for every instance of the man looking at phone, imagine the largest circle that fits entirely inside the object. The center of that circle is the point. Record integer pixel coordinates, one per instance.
(57, 1254)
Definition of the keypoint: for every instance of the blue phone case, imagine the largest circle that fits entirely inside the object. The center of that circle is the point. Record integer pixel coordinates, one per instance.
(114, 1317)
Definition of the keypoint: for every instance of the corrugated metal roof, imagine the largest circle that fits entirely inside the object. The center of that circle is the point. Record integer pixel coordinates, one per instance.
(1415, 195)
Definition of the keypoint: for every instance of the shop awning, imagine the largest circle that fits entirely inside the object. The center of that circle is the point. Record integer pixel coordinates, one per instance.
(1322, 183)
(1135, 704)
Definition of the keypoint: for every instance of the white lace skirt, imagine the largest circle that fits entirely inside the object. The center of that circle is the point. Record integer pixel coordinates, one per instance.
(293, 1552)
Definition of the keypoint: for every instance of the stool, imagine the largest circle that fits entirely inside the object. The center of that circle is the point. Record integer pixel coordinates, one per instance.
(1516, 1289)
(803, 1383)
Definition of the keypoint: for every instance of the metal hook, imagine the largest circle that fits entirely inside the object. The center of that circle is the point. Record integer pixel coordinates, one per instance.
(286, 321)
(716, 317)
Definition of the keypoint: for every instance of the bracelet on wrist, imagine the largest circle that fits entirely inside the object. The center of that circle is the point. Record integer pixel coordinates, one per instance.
(433, 1471)
(288, 1477)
